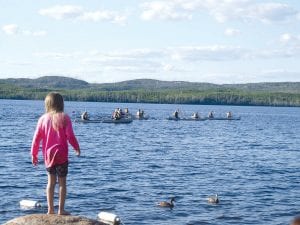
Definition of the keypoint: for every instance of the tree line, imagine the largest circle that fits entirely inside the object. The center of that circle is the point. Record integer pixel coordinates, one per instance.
(220, 96)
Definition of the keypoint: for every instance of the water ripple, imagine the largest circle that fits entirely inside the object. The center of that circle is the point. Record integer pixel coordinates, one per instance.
(253, 164)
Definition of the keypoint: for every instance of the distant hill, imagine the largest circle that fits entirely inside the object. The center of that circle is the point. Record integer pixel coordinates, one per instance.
(150, 84)
(58, 82)
(285, 87)
(155, 91)
(47, 82)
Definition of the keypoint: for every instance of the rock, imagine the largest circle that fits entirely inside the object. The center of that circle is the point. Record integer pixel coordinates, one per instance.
(44, 219)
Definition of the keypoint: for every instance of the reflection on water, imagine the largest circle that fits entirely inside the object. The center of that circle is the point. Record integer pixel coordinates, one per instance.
(253, 164)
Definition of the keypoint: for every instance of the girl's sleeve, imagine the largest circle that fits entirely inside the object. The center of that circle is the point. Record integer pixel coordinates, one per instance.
(70, 133)
(37, 137)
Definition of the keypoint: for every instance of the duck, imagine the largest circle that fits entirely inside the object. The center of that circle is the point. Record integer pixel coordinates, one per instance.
(167, 204)
(213, 199)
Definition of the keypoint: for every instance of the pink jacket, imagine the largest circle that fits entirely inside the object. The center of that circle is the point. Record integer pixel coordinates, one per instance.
(54, 143)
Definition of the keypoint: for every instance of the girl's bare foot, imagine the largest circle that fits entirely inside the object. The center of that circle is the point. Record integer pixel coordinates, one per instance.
(64, 213)
(50, 212)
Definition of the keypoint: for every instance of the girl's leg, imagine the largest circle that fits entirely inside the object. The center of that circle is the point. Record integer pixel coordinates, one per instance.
(62, 195)
(50, 192)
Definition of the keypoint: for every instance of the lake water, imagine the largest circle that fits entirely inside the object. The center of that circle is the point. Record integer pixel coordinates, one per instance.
(253, 164)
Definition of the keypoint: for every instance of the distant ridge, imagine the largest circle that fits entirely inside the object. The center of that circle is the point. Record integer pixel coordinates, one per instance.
(155, 91)
(151, 84)
(60, 82)
(56, 82)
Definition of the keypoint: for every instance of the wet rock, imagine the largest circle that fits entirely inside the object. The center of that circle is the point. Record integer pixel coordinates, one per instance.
(44, 219)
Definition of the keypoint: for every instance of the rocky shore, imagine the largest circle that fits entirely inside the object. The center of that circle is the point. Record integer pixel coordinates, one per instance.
(44, 219)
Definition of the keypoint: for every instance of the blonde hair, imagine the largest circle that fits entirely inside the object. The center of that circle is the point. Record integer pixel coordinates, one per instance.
(54, 102)
(296, 221)
(54, 105)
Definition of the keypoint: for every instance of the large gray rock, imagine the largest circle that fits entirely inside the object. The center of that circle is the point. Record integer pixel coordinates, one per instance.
(44, 219)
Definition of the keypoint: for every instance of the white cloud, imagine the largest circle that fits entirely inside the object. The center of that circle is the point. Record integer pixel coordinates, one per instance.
(126, 55)
(168, 67)
(14, 29)
(135, 61)
(272, 12)
(284, 38)
(160, 61)
(57, 55)
(280, 52)
(203, 63)
(163, 10)
(224, 10)
(133, 69)
(288, 46)
(60, 12)
(209, 53)
(232, 32)
(140, 53)
(105, 15)
(121, 62)
(74, 12)
(166, 58)
(250, 11)
(290, 39)
(221, 10)
(10, 29)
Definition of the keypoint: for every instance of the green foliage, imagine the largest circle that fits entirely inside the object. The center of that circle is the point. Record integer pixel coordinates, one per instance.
(151, 91)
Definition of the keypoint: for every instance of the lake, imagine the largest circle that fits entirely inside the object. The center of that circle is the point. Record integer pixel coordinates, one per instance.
(253, 164)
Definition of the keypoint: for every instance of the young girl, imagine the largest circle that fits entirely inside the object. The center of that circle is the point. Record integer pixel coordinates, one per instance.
(54, 129)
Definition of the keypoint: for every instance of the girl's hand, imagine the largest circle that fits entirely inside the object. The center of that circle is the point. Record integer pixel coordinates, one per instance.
(34, 160)
(77, 152)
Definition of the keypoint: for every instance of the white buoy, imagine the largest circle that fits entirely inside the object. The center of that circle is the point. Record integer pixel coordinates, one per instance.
(29, 204)
(109, 218)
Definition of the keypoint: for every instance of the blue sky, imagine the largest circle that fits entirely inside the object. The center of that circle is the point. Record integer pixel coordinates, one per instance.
(217, 41)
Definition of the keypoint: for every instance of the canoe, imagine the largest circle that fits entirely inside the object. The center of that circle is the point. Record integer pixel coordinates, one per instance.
(141, 117)
(194, 119)
(87, 121)
(173, 118)
(122, 120)
(224, 118)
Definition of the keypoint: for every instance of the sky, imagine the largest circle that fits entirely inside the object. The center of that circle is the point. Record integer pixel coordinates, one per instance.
(101, 41)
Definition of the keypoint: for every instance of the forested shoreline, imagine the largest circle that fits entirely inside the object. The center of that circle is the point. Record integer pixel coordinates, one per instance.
(282, 94)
